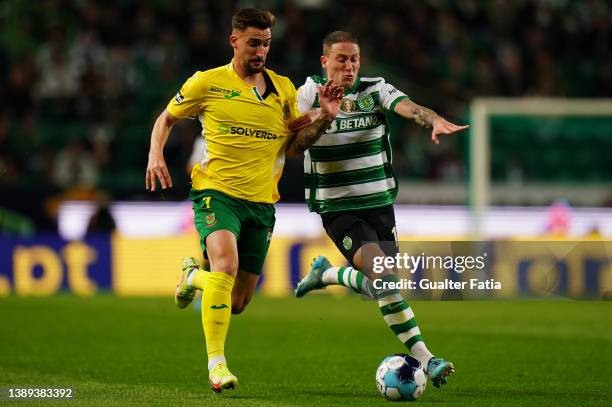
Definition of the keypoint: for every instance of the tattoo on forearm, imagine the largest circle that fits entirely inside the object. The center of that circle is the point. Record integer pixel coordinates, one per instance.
(424, 116)
(309, 135)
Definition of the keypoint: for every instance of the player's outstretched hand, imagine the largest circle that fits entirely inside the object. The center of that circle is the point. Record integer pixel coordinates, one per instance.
(330, 97)
(441, 126)
(157, 170)
(303, 121)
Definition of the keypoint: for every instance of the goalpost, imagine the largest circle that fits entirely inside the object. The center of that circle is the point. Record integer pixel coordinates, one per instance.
(482, 109)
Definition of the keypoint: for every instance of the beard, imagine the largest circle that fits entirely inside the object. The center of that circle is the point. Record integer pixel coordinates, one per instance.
(252, 68)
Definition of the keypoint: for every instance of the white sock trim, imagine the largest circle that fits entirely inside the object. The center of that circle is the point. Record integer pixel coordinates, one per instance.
(190, 279)
(404, 336)
(389, 299)
(215, 361)
(399, 317)
(330, 276)
(421, 353)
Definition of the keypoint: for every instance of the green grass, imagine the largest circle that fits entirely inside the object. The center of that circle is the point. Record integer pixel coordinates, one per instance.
(318, 350)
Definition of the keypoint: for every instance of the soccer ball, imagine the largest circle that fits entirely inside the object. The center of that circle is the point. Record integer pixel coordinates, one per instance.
(401, 377)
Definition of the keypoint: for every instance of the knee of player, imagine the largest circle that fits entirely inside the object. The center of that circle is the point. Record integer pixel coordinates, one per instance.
(238, 307)
(226, 265)
(239, 302)
(365, 252)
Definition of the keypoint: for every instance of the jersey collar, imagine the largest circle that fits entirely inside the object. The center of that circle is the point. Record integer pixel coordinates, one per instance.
(270, 87)
(231, 68)
(353, 88)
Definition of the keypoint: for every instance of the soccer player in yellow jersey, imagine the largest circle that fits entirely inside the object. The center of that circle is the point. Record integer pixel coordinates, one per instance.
(250, 118)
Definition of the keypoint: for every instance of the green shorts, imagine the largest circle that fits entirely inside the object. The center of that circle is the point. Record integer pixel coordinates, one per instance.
(252, 223)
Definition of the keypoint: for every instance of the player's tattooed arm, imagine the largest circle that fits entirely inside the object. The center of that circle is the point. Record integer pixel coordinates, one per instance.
(424, 116)
(308, 135)
(420, 114)
(304, 136)
(427, 118)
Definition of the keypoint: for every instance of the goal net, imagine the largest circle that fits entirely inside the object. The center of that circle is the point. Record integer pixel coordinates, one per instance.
(532, 150)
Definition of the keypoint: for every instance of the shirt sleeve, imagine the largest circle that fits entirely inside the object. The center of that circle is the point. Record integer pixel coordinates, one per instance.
(294, 113)
(188, 100)
(390, 96)
(306, 96)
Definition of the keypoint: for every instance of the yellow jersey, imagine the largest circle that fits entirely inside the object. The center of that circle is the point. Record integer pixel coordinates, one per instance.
(245, 132)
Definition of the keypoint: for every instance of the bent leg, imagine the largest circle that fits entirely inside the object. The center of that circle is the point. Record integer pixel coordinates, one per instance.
(395, 310)
(244, 288)
(354, 240)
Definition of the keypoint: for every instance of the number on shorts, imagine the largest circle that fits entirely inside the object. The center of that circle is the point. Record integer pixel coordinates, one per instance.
(206, 201)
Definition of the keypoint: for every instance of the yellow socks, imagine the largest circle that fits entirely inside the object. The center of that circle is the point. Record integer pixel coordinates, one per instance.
(216, 311)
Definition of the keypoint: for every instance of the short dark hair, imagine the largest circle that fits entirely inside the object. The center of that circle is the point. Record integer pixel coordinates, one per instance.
(252, 17)
(336, 37)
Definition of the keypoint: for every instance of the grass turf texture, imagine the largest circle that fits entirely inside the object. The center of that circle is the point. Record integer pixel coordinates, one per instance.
(318, 350)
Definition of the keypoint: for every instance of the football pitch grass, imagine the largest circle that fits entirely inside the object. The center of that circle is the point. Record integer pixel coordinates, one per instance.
(315, 351)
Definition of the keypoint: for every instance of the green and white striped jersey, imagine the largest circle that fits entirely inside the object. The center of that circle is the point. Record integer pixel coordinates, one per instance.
(349, 167)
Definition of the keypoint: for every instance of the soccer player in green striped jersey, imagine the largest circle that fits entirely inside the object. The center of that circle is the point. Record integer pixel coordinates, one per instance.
(350, 182)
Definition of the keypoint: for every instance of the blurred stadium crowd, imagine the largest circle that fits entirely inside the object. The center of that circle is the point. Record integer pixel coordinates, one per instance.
(81, 81)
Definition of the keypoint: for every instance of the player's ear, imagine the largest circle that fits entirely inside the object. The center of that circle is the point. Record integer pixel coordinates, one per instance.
(324, 60)
(233, 39)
